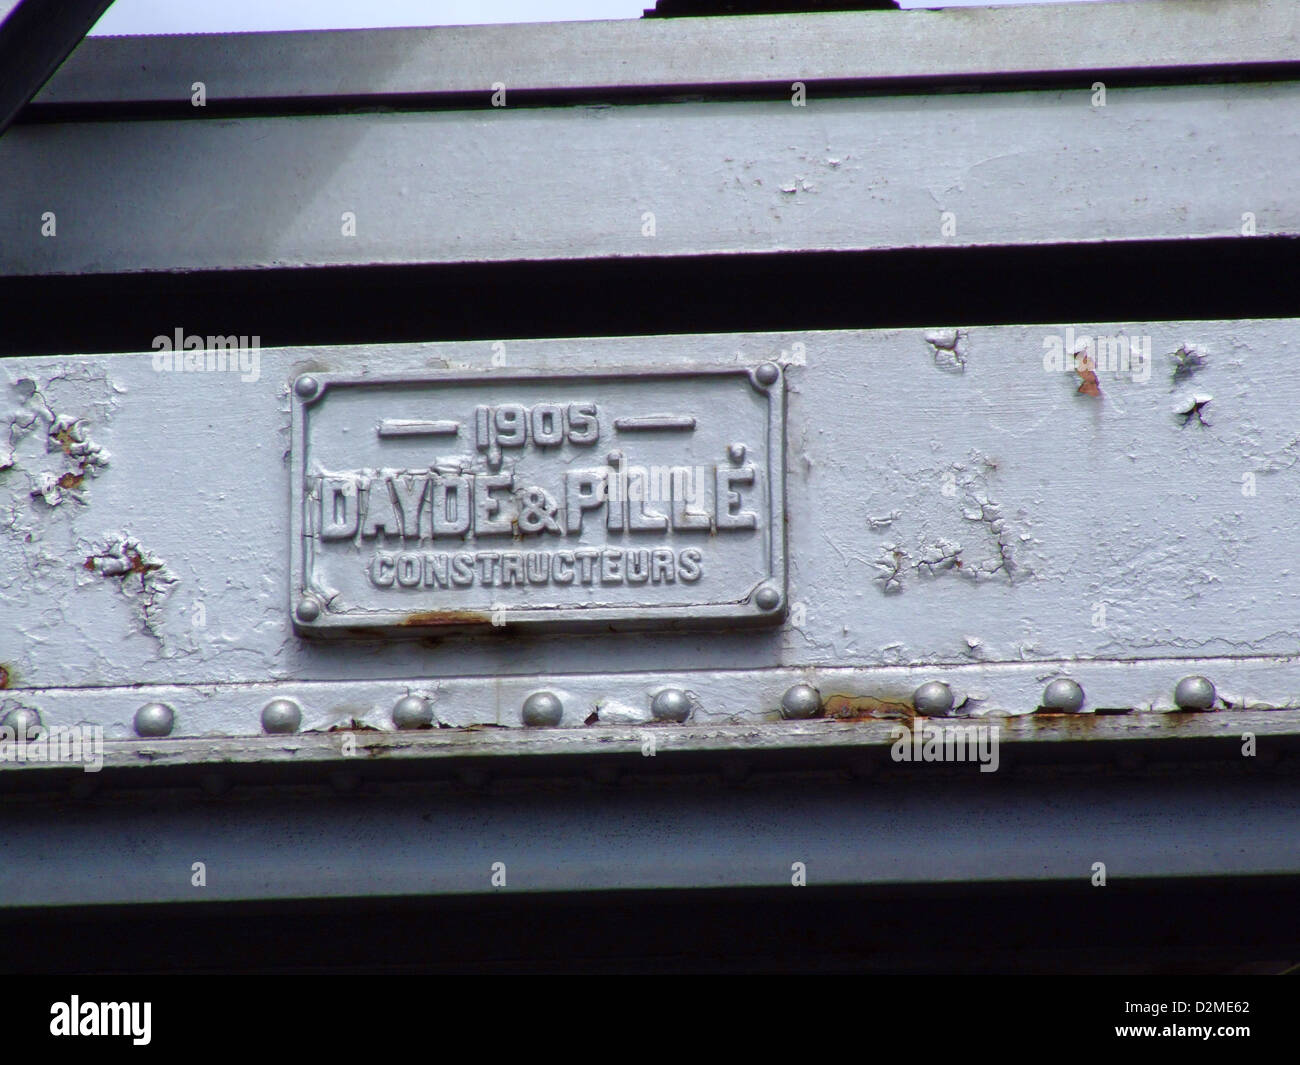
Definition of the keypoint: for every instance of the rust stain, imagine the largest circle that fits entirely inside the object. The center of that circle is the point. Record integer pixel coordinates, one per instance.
(1089, 385)
(4, 677)
(352, 724)
(71, 480)
(65, 438)
(135, 564)
(447, 617)
(864, 708)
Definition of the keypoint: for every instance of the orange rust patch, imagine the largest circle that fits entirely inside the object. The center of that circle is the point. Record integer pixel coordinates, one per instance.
(1089, 385)
(4, 677)
(863, 707)
(71, 480)
(138, 564)
(65, 438)
(447, 617)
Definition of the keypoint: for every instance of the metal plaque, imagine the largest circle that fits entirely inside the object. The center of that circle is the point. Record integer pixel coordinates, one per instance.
(627, 499)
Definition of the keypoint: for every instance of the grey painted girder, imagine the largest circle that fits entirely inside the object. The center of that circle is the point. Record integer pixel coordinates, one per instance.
(35, 37)
(532, 752)
(1135, 39)
(744, 705)
(498, 185)
(413, 843)
(1089, 528)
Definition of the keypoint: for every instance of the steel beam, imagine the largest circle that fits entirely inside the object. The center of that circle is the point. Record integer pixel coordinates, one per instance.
(35, 37)
(861, 49)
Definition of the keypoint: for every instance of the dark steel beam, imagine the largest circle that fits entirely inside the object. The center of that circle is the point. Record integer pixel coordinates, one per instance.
(35, 37)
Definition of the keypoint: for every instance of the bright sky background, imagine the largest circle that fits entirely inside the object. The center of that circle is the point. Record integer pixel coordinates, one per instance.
(225, 16)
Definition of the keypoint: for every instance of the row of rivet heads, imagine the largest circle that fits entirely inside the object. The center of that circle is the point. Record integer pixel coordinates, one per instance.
(544, 708)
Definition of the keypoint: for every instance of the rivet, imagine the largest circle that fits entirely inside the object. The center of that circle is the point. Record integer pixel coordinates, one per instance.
(768, 374)
(412, 711)
(736, 452)
(308, 609)
(22, 719)
(767, 598)
(306, 386)
(281, 715)
(543, 708)
(803, 700)
(933, 699)
(1194, 693)
(1063, 694)
(671, 704)
(154, 719)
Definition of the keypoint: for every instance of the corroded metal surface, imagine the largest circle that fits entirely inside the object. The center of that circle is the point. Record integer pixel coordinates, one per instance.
(959, 508)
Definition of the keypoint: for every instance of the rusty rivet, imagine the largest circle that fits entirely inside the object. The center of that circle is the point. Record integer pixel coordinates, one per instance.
(671, 704)
(308, 609)
(933, 699)
(768, 374)
(306, 386)
(22, 720)
(281, 715)
(803, 700)
(767, 598)
(1194, 693)
(1063, 694)
(154, 719)
(412, 711)
(543, 708)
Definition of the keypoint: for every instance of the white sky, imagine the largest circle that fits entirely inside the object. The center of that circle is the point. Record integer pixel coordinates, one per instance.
(224, 16)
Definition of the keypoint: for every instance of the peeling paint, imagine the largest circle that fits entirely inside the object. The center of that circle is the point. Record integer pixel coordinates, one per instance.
(890, 563)
(65, 435)
(1193, 410)
(948, 349)
(1187, 360)
(142, 578)
(1089, 384)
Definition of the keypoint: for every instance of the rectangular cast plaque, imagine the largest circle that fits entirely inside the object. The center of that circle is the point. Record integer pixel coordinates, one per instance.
(561, 500)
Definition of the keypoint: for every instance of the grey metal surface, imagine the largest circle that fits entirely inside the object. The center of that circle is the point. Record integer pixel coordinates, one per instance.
(633, 499)
(263, 845)
(1204, 36)
(499, 185)
(600, 699)
(955, 511)
(35, 37)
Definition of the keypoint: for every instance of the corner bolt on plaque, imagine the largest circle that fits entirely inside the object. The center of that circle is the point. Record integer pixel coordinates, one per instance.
(629, 499)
